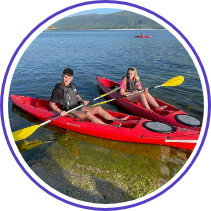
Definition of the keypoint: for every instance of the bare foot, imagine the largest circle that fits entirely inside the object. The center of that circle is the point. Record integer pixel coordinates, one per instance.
(151, 111)
(162, 107)
(124, 118)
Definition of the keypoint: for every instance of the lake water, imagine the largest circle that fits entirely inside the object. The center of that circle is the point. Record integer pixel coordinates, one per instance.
(90, 168)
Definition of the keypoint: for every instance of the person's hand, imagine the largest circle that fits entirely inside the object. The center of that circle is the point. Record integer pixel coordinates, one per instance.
(136, 91)
(86, 103)
(146, 90)
(62, 113)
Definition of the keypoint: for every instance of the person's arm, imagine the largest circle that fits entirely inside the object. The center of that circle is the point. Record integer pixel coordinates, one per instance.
(139, 86)
(57, 109)
(54, 98)
(123, 92)
(122, 88)
(81, 100)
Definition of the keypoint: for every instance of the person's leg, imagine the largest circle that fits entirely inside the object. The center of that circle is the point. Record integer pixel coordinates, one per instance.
(145, 99)
(152, 101)
(139, 97)
(87, 115)
(98, 110)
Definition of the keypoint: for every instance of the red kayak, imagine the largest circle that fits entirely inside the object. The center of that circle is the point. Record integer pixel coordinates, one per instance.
(134, 129)
(170, 114)
(144, 36)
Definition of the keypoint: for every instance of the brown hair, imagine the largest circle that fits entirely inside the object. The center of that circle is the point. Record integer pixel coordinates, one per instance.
(68, 71)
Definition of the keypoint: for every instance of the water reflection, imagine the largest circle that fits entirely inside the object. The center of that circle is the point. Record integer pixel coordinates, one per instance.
(94, 169)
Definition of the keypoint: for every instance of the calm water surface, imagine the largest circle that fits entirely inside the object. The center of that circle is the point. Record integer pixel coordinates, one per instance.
(90, 168)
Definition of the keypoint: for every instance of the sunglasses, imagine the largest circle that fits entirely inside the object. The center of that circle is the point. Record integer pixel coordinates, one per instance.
(131, 68)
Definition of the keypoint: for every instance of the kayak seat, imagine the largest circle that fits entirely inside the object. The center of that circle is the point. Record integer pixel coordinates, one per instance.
(137, 103)
(40, 105)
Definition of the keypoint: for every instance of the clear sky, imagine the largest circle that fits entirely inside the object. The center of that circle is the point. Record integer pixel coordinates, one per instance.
(97, 11)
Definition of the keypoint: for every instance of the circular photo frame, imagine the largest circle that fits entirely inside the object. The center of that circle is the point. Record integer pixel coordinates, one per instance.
(207, 119)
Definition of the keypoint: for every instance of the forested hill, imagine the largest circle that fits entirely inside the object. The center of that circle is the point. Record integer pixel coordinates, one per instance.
(118, 20)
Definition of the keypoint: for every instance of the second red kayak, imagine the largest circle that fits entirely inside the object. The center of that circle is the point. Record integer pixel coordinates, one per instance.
(170, 114)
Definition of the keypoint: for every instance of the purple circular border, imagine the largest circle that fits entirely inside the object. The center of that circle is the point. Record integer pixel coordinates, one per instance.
(100, 2)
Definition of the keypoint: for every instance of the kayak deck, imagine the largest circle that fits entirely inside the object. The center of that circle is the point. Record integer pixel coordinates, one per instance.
(134, 129)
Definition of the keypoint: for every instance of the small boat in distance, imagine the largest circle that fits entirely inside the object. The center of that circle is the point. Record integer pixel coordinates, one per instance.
(144, 36)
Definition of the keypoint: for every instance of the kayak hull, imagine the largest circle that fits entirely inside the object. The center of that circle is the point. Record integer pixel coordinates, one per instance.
(167, 115)
(131, 130)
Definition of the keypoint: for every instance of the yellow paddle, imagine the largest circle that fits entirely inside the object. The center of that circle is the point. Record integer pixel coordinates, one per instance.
(172, 82)
(26, 132)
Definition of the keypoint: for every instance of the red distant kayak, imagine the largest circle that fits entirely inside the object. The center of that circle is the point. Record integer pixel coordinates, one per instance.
(144, 36)
(170, 114)
(134, 129)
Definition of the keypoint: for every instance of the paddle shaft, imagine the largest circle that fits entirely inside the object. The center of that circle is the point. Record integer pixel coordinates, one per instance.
(44, 123)
(117, 88)
(154, 87)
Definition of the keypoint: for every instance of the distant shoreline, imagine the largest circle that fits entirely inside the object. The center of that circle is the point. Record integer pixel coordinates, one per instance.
(121, 29)
(51, 30)
(103, 29)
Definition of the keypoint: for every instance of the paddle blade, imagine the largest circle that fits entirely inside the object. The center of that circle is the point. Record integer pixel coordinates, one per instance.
(27, 145)
(24, 133)
(174, 81)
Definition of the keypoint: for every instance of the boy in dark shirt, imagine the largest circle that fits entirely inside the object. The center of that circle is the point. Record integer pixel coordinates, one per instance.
(67, 95)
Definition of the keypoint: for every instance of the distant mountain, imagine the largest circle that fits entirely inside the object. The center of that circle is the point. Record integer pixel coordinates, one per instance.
(118, 20)
(50, 28)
